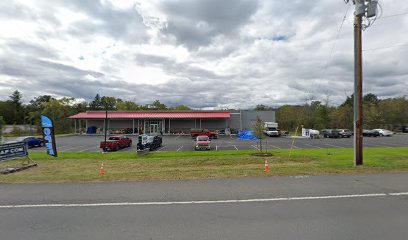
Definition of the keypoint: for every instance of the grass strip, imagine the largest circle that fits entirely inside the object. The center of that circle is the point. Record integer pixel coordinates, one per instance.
(123, 166)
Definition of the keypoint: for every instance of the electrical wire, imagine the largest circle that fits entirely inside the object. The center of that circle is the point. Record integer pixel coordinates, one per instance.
(393, 46)
(394, 15)
(335, 41)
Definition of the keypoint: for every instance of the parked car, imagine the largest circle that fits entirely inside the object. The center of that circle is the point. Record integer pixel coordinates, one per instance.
(149, 142)
(404, 129)
(345, 133)
(31, 141)
(330, 133)
(115, 143)
(384, 132)
(202, 142)
(370, 133)
(195, 132)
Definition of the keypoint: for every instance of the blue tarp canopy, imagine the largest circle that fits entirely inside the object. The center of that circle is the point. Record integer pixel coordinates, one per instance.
(246, 135)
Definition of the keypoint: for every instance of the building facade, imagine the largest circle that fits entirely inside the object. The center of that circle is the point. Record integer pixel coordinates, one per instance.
(166, 122)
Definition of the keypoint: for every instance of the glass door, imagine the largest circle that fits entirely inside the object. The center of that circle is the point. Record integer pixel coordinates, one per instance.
(154, 128)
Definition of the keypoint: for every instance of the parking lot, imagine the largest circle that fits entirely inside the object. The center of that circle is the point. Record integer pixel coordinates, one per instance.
(90, 143)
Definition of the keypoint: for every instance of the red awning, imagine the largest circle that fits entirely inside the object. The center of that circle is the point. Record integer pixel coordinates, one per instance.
(158, 115)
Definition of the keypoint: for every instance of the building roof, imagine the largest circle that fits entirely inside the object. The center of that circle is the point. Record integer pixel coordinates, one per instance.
(152, 114)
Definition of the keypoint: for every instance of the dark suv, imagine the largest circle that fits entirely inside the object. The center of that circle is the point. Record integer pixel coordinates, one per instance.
(344, 133)
(330, 133)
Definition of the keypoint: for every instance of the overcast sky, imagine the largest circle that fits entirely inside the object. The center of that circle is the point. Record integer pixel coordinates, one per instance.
(201, 53)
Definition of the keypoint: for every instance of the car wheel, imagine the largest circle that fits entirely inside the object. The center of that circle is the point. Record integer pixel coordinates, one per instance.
(117, 148)
(41, 144)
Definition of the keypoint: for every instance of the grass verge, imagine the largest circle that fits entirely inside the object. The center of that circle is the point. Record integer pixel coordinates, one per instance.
(122, 166)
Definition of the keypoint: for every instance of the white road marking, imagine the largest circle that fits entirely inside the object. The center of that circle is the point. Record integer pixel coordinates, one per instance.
(202, 202)
(177, 137)
(398, 194)
(256, 147)
(216, 148)
(180, 148)
(274, 146)
(235, 147)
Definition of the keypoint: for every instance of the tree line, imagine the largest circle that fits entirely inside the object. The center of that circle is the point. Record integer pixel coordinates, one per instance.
(14, 111)
(390, 113)
(385, 113)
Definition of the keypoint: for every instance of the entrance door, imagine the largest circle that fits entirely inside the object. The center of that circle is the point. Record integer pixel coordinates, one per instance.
(154, 128)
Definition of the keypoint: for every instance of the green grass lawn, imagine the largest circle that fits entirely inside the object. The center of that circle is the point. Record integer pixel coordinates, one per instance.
(121, 166)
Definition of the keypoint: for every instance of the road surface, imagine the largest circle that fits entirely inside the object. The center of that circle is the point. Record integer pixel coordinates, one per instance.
(299, 207)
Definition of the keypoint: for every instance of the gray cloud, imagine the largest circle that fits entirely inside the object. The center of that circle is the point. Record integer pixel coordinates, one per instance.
(236, 53)
(196, 23)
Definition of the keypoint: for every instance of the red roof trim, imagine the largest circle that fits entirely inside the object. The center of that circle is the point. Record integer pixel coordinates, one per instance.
(157, 115)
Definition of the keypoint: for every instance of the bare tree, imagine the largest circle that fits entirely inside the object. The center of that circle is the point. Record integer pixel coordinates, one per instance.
(258, 129)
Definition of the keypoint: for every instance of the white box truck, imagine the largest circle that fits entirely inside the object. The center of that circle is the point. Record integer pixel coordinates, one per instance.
(271, 129)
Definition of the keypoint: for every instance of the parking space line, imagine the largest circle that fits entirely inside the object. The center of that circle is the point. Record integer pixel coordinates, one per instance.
(216, 148)
(177, 137)
(256, 147)
(161, 149)
(180, 148)
(235, 147)
(273, 146)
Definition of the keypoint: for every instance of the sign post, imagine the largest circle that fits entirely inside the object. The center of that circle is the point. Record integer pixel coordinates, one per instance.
(14, 150)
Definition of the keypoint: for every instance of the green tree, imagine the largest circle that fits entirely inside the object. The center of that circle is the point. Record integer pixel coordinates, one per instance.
(261, 107)
(59, 110)
(157, 105)
(180, 108)
(109, 102)
(18, 113)
(96, 104)
(127, 106)
(2, 123)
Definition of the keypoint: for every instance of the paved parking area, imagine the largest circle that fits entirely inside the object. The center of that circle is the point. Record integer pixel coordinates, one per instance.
(86, 143)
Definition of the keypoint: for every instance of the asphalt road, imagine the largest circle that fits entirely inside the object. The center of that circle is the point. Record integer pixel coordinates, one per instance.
(90, 143)
(300, 207)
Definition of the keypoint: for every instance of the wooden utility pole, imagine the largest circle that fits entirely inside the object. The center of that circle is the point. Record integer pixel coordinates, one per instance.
(367, 9)
(358, 92)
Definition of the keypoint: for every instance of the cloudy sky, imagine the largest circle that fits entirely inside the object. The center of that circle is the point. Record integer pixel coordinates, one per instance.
(201, 53)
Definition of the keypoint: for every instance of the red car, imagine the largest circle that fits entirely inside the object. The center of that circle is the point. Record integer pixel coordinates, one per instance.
(196, 132)
(203, 142)
(115, 143)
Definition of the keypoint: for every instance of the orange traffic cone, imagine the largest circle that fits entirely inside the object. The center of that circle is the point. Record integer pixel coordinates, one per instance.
(266, 166)
(102, 170)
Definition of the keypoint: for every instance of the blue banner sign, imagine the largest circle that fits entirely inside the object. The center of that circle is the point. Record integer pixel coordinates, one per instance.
(49, 136)
(14, 150)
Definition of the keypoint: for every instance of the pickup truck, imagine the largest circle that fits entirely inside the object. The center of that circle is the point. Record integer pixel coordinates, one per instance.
(115, 143)
(202, 142)
(195, 132)
(149, 142)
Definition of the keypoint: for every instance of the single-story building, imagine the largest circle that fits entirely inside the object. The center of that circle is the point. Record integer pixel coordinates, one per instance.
(166, 122)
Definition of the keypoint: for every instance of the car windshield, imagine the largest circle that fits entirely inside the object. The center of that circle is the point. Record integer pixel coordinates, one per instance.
(202, 139)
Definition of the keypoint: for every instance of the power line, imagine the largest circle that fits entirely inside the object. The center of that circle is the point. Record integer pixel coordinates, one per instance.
(393, 46)
(394, 15)
(335, 41)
